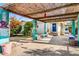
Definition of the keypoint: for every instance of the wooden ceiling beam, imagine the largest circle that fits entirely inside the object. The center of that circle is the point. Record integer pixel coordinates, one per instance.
(48, 10)
(75, 16)
(59, 15)
(55, 15)
(58, 20)
(61, 19)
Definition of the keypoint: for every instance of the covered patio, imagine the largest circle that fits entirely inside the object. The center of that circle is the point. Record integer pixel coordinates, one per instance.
(47, 15)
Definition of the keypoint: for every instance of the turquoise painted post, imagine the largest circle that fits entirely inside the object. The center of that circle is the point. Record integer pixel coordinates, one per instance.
(73, 27)
(0, 14)
(4, 38)
(0, 21)
(78, 29)
(7, 14)
(34, 32)
(0, 17)
(7, 18)
(44, 28)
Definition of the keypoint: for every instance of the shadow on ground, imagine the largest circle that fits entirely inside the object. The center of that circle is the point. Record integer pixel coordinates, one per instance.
(48, 52)
(56, 40)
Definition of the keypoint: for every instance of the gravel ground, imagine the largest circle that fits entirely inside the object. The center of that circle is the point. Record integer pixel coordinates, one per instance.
(56, 46)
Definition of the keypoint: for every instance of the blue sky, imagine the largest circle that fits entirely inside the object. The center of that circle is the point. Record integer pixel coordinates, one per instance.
(21, 18)
(1, 4)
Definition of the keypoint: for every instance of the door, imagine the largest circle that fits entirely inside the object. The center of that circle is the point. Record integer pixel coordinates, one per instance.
(54, 27)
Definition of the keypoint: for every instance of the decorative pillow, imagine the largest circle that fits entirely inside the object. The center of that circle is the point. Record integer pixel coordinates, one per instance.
(3, 24)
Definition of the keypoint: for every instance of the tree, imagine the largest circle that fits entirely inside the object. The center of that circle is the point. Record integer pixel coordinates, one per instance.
(28, 28)
(15, 26)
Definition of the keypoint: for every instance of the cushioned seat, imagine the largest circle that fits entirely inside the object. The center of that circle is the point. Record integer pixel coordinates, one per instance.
(4, 40)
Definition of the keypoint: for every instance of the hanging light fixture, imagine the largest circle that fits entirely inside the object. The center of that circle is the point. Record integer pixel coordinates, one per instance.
(45, 14)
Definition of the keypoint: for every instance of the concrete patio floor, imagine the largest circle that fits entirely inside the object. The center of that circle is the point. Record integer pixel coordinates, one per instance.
(55, 46)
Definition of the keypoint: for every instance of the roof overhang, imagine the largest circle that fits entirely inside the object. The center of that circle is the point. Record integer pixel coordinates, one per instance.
(37, 11)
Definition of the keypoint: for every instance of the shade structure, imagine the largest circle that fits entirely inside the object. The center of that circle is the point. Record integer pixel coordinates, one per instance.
(37, 10)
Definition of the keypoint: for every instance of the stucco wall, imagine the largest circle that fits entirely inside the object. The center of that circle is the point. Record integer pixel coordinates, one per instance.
(58, 27)
(40, 28)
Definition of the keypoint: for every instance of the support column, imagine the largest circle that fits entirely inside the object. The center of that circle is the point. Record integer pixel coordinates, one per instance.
(61, 29)
(7, 13)
(0, 14)
(73, 27)
(44, 28)
(4, 15)
(8, 21)
(78, 29)
(0, 17)
(34, 32)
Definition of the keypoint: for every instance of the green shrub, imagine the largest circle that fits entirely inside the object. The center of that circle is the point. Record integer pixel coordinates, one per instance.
(28, 29)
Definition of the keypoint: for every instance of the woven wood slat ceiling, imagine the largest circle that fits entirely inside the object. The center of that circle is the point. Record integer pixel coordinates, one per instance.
(37, 10)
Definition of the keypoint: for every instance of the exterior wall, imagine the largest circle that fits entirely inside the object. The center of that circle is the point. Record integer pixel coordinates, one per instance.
(49, 27)
(40, 28)
(68, 24)
(59, 29)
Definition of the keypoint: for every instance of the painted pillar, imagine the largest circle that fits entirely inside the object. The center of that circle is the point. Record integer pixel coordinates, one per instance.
(0, 24)
(4, 13)
(73, 27)
(7, 13)
(4, 29)
(78, 29)
(0, 14)
(61, 29)
(8, 22)
(45, 28)
(34, 31)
